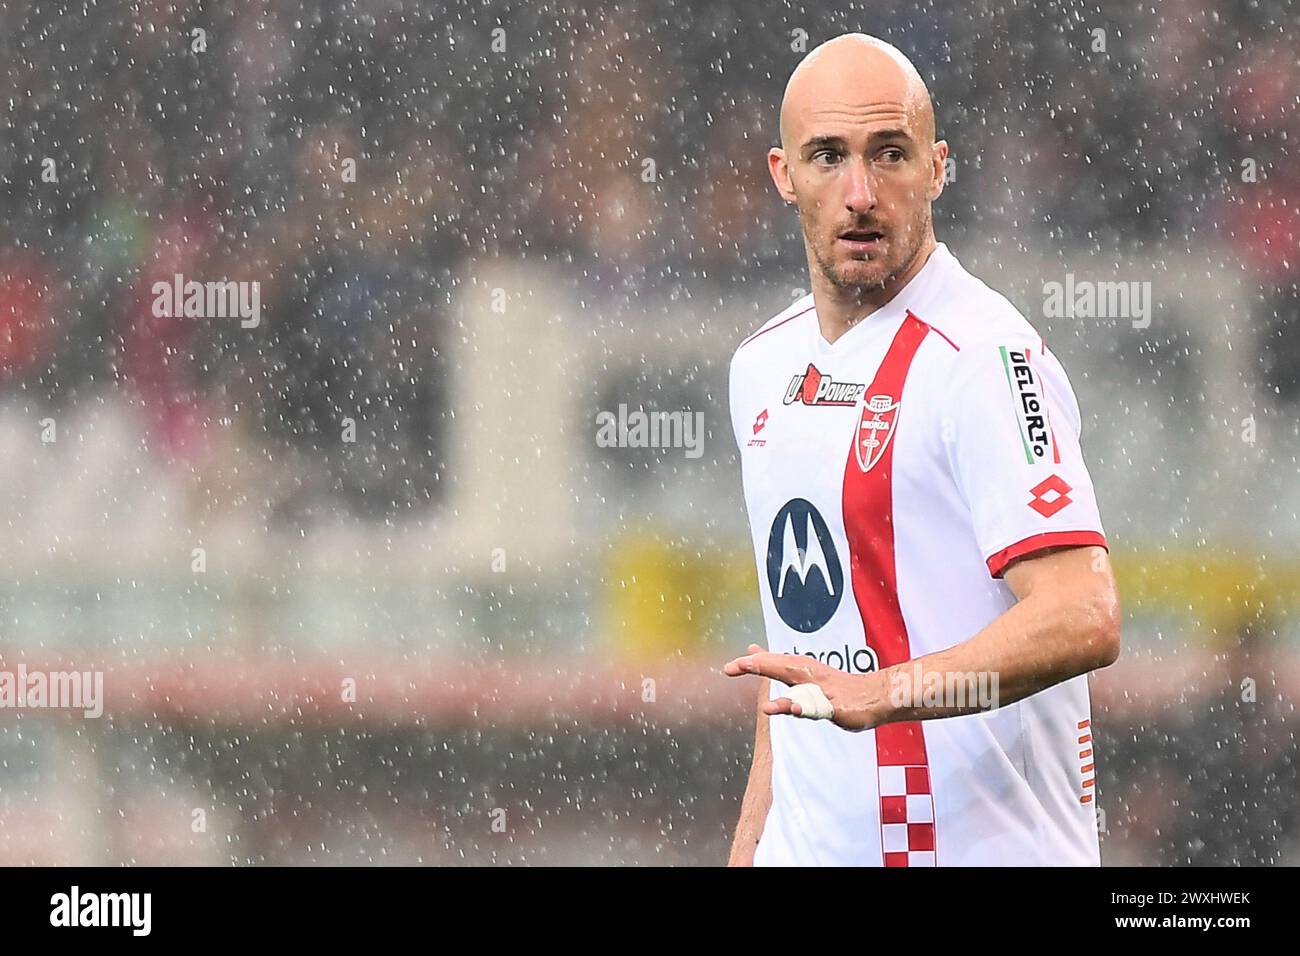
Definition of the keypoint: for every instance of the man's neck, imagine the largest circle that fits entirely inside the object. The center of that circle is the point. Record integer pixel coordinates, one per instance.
(838, 310)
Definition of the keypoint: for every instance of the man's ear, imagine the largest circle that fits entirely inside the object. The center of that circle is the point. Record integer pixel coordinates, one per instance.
(938, 173)
(780, 170)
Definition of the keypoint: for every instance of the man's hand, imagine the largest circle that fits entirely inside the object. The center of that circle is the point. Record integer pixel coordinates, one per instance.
(1065, 622)
(859, 701)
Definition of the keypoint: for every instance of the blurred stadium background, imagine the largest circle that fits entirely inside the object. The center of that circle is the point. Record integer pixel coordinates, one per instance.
(559, 208)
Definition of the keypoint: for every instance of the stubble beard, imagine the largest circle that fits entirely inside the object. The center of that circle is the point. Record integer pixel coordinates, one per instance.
(858, 287)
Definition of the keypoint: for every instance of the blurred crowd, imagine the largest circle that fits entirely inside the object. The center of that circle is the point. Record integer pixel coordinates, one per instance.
(359, 158)
(623, 142)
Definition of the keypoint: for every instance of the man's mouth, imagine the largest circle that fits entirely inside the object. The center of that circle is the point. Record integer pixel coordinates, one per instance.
(862, 240)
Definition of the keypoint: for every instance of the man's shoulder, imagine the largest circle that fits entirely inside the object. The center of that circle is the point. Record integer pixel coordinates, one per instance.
(995, 347)
(755, 357)
(785, 319)
(972, 315)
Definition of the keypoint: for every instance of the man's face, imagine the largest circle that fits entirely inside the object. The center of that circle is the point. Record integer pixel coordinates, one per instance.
(863, 182)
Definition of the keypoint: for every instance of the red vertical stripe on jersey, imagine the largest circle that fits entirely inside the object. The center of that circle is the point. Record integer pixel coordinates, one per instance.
(868, 524)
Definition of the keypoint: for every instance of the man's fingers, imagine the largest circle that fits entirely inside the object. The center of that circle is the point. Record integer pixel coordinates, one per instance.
(782, 705)
(811, 701)
(787, 668)
(805, 697)
(735, 668)
(804, 700)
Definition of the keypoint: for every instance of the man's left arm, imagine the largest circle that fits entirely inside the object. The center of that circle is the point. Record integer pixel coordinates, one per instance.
(1065, 622)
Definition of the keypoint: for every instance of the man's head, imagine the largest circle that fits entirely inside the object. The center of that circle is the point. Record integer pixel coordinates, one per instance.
(859, 158)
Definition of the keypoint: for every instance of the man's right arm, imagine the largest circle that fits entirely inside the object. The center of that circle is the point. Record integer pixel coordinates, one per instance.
(758, 794)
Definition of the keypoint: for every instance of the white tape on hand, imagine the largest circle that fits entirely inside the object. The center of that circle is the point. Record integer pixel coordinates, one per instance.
(815, 704)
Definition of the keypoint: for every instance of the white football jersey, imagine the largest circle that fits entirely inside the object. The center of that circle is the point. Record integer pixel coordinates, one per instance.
(890, 478)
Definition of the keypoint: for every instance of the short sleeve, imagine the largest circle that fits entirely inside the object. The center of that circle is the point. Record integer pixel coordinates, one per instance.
(1014, 452)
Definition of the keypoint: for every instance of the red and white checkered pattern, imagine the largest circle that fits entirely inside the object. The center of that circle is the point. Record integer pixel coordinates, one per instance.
(907, 816)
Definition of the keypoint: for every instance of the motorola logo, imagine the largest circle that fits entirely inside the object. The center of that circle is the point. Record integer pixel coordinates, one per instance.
(803, 569)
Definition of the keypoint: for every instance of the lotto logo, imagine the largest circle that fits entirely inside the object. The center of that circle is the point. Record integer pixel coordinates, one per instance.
(1050, 496)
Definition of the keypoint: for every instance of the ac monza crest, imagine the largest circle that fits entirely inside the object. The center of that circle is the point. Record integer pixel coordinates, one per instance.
(875, 429)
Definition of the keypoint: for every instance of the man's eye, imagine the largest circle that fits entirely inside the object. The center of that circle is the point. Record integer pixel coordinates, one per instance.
(893, 156)
(824, 156)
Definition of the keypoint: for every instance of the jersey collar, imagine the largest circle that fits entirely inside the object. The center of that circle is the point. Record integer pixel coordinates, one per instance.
(913, 297)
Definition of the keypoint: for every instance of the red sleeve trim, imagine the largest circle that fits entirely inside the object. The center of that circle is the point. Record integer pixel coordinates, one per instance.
(1052, 539)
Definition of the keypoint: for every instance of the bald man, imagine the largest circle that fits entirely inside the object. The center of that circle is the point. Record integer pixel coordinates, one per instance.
(933, 572)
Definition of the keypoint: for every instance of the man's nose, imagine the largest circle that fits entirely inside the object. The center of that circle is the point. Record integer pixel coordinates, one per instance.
(861, 196)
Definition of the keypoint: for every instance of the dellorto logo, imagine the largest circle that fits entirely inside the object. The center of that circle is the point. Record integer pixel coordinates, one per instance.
(1031, 411)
